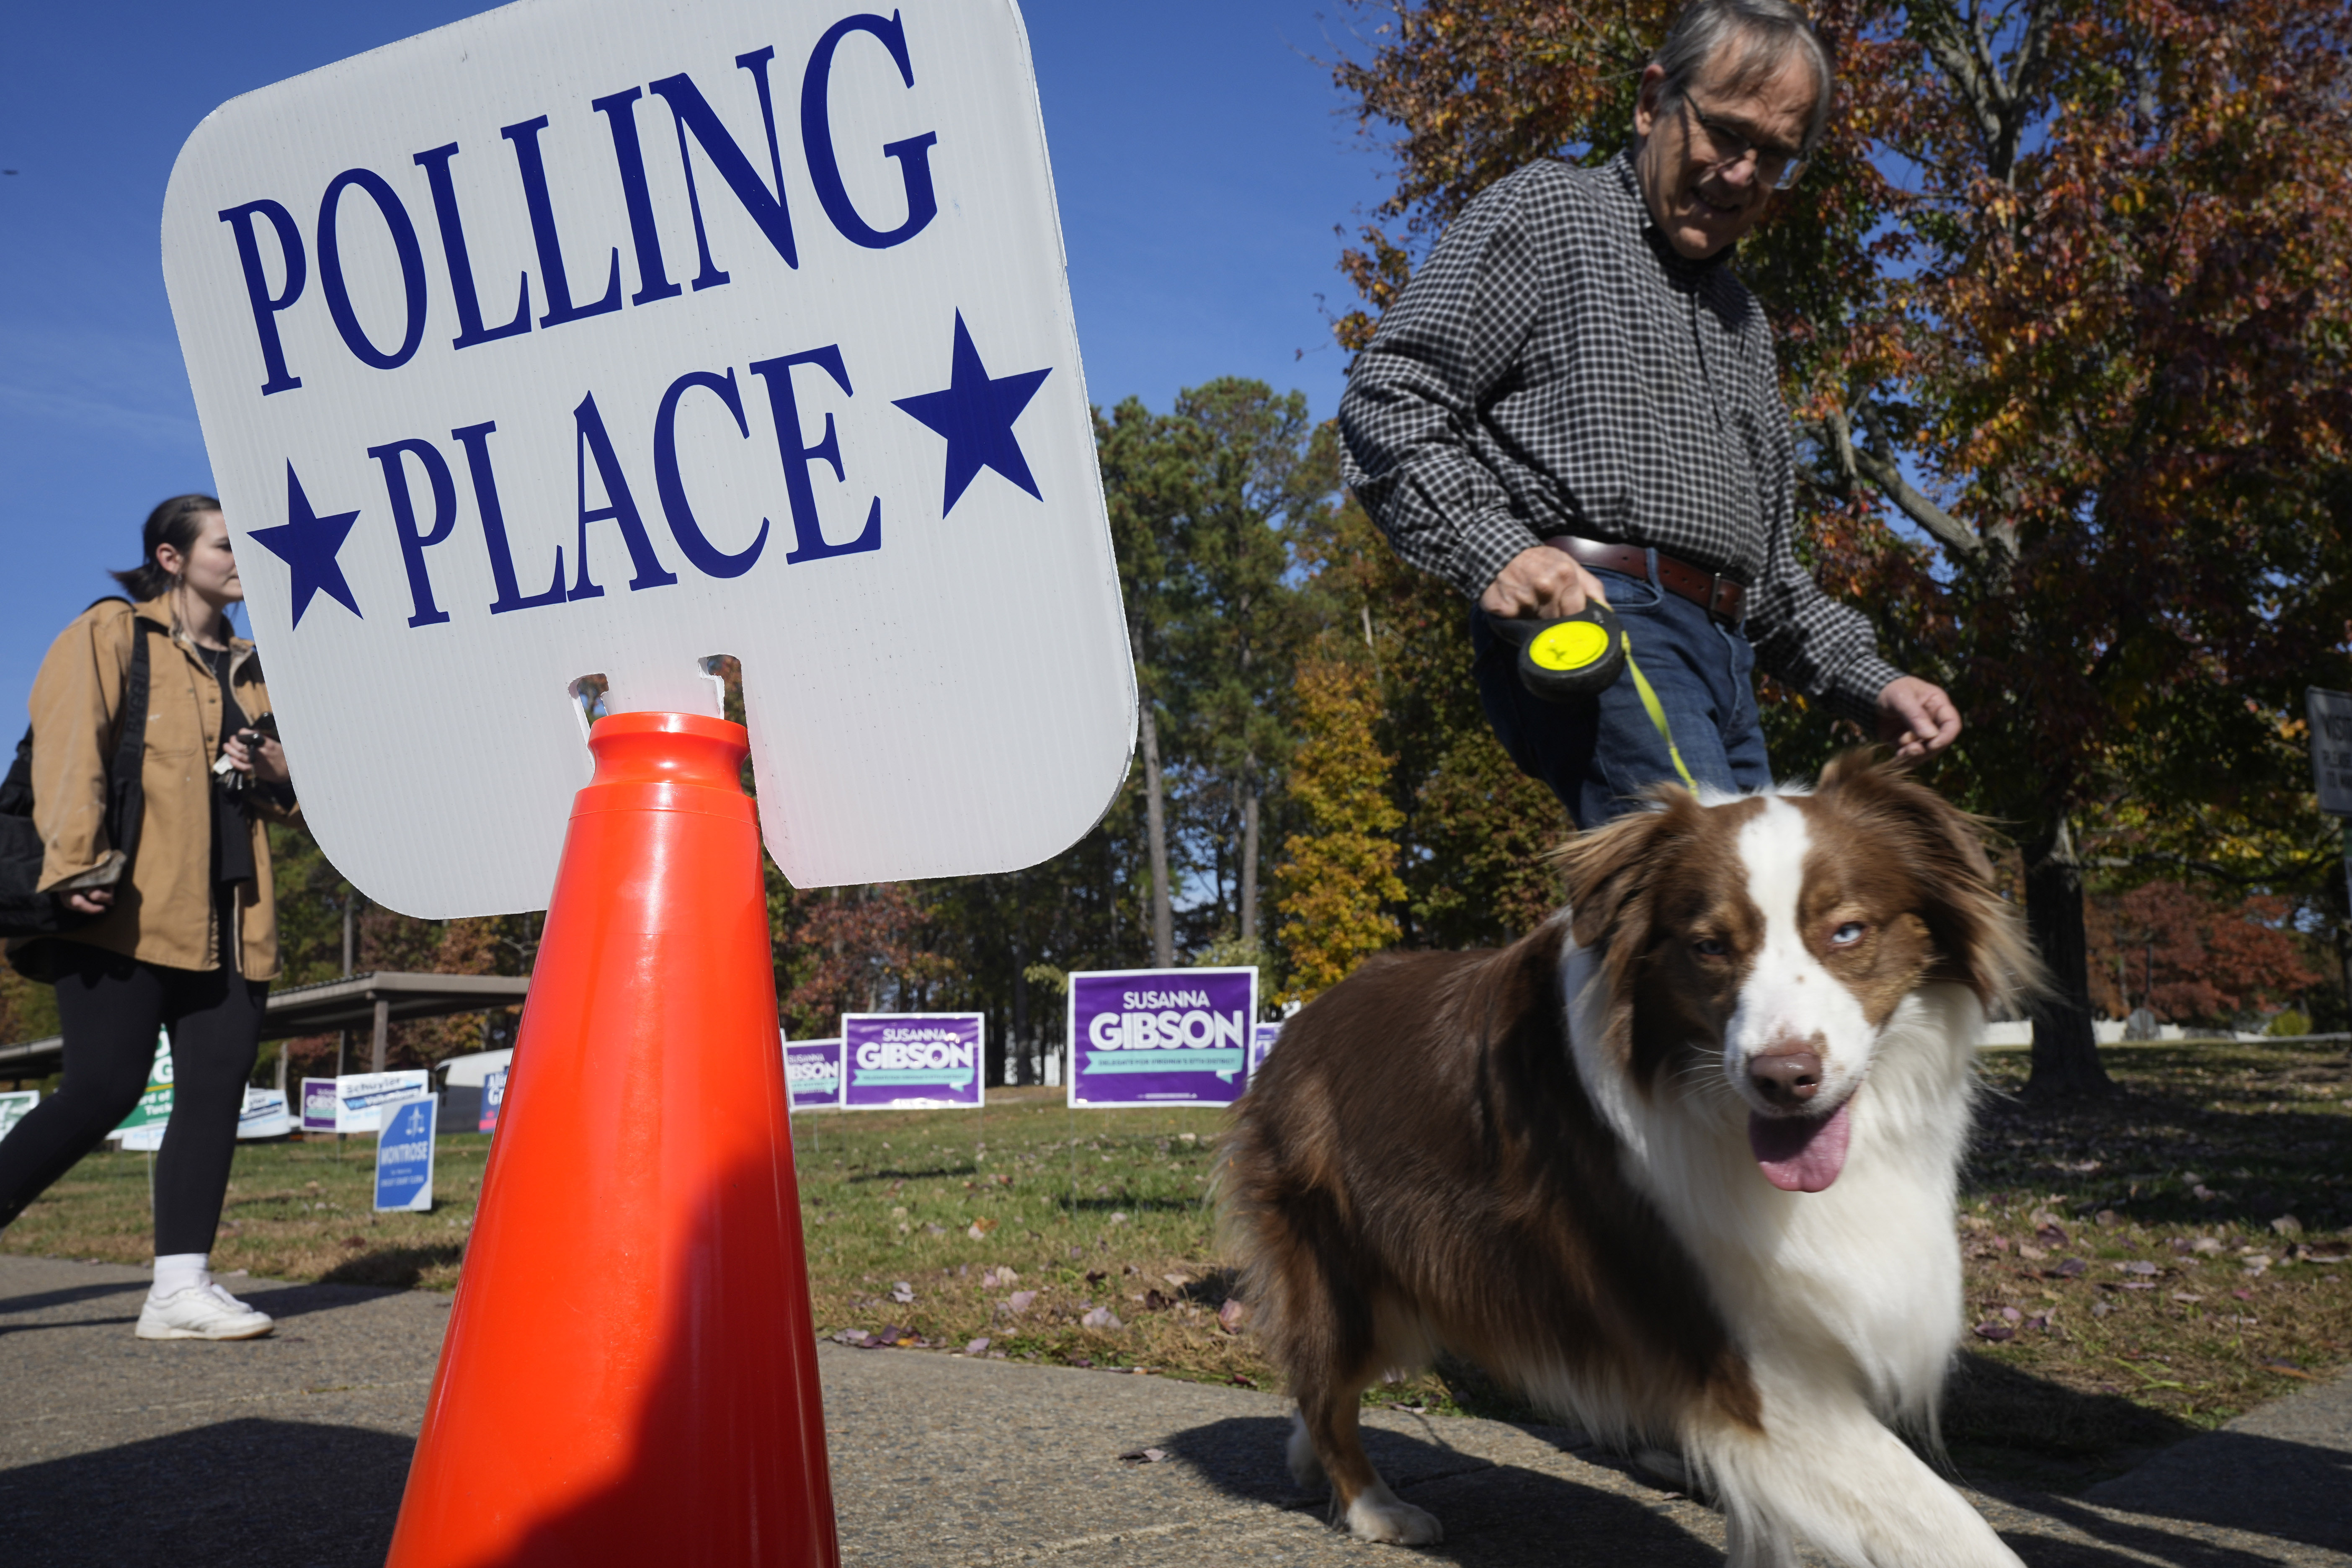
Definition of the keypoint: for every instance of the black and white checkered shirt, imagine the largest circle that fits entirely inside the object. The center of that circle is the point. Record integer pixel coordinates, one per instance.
(1555, 367)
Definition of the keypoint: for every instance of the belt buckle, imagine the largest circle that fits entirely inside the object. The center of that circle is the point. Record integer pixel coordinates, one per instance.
(1715, 596)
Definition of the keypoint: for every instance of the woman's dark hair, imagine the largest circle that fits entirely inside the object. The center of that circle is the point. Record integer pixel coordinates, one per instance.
(173, 524)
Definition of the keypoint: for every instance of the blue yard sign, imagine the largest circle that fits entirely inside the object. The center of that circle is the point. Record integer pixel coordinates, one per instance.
(404, 1155)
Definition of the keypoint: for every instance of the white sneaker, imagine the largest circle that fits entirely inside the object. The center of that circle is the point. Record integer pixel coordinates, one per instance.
(201, 1312)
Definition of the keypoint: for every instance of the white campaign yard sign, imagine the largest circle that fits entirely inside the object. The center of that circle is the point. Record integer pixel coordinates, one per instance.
(15, 1106)
(360, 1097)
(589, 337)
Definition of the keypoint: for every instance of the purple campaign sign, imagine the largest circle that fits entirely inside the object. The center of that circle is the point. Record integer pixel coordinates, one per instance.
(812, 1073)
(911, 1059)
(318, 1105)
(1160, 1037)
(1262, 1040)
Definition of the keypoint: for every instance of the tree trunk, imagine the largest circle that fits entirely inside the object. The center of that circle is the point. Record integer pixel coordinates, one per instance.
(1249, 866)
(2065, 1051)
(1016, 1069)
(1155, 818)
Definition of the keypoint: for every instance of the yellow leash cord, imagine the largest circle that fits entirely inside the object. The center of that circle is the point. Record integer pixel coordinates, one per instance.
(1658, 713)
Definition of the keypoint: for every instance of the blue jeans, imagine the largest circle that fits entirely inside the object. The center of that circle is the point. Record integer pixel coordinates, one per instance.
(1597, 754)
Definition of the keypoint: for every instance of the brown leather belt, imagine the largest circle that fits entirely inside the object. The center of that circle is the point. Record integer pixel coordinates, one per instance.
(1717, 595)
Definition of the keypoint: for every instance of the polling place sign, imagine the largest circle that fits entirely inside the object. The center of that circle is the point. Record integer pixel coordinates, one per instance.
(913, 1059)
(404, 1154)
(1160, 1037)
(812, 1073)
(589, 338)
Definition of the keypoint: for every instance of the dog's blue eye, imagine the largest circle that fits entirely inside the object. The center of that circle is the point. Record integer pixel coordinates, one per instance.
(1712, 946)
(1847, 934)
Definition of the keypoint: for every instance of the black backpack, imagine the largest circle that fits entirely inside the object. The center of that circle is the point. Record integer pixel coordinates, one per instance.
(23, 911)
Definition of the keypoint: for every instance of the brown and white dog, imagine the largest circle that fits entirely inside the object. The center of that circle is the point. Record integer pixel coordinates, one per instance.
(1680, 1166)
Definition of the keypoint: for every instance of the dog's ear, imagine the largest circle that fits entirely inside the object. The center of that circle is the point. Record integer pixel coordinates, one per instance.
(1608, 869)
(1980, 940)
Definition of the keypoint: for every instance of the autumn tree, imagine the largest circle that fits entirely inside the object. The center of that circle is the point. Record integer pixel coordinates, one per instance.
(1474, 834)
(2065, 319)
(2192, 957)
(1339, 875)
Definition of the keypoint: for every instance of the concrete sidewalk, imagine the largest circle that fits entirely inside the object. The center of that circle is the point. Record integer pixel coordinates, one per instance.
(291, 1450)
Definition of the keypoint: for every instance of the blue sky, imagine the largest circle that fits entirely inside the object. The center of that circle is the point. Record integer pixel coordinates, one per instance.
(1201, 158)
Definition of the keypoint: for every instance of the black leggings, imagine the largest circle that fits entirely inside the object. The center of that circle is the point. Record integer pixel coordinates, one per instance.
(111, 1007)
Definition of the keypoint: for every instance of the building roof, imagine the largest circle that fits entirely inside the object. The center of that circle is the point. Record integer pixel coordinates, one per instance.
(346, 1003)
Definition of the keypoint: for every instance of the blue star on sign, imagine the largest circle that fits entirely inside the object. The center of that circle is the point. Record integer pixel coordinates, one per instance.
(306, 543)
(976, 414)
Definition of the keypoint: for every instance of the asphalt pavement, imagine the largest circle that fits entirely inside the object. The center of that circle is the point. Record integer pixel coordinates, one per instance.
(292, 1449)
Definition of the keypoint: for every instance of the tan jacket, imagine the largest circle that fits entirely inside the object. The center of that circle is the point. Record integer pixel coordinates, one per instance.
(163, 912)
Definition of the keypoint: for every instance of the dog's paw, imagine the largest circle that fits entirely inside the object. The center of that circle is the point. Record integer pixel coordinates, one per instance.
(1379, 1515)
(1305, 1465)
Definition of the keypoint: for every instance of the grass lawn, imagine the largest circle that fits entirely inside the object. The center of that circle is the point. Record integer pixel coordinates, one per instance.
(2137, 1270)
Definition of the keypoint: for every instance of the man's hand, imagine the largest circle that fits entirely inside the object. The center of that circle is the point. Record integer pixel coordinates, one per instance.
(95, 901)
(1915, 718)
(1549, 582)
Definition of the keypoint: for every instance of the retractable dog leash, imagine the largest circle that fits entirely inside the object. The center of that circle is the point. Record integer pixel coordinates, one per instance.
(1581, 656)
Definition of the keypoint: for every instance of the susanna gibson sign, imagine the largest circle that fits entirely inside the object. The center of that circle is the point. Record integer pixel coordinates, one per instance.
(591, 338)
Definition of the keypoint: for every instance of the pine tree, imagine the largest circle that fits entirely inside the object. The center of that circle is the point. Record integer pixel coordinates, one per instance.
(1337, 877)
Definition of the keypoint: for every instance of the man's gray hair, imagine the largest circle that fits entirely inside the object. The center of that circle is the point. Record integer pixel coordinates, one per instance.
(1759, 36)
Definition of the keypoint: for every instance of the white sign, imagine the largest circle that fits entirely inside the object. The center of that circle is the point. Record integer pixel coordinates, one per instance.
(265, 1115)
(2331, 748)
(15, 1106)
(404, 1154)
(148, 1138)
(360, 1097)
(587, 337)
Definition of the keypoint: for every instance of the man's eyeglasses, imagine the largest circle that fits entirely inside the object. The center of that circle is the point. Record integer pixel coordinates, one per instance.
(1776, 166)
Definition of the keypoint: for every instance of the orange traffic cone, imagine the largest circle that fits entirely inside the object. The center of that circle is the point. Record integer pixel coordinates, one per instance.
(630, 1371)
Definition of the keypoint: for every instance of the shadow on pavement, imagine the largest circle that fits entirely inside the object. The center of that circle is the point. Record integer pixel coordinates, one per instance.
(259, 1494)
(1494, 1515)
(2237, 1480)
(70, 1323)
(68, 1297)
(285, 1301)
(1504, 1516)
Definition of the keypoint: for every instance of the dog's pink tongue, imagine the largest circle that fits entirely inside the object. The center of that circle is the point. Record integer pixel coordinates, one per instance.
(1800, 1154)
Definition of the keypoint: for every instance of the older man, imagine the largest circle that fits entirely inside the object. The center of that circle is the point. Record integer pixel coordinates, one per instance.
(1575, 398)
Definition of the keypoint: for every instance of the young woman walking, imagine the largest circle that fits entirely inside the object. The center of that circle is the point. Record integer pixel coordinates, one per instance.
(186, 937)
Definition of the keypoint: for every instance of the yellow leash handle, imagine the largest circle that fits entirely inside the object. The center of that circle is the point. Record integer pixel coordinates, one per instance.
(1580, 655)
